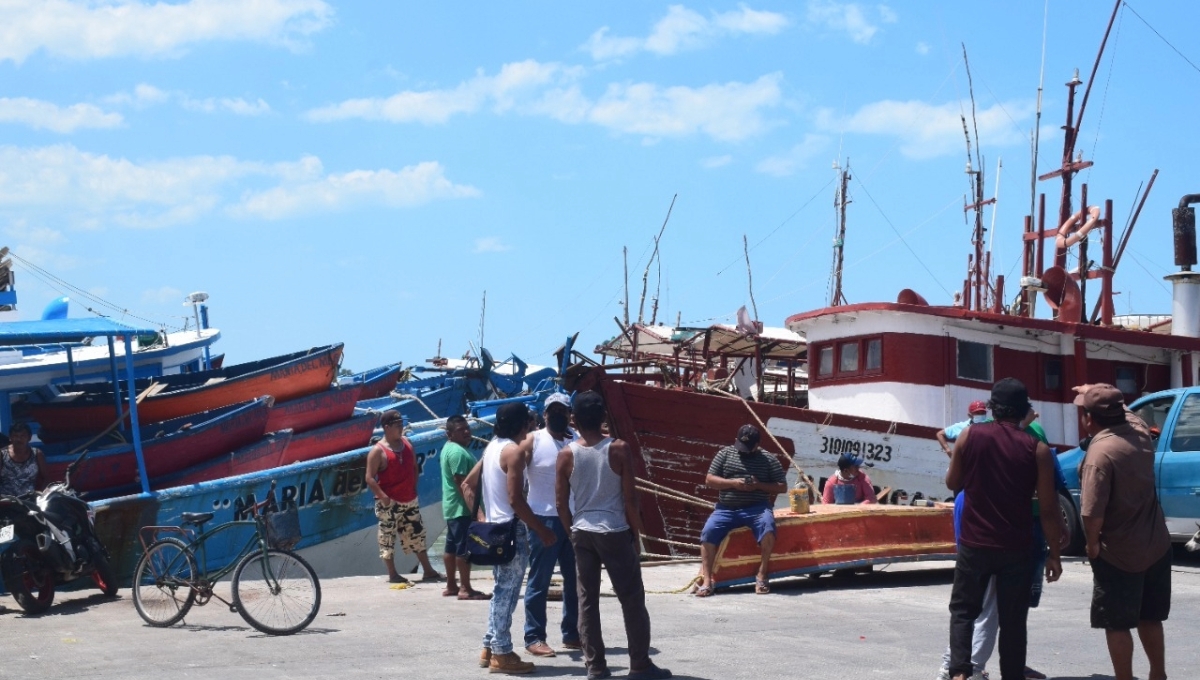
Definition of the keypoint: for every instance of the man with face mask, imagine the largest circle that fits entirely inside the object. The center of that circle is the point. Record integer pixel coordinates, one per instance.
(544, 445)
(976, 413)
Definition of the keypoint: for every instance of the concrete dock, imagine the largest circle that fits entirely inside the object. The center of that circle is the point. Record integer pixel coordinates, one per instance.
(889, 624)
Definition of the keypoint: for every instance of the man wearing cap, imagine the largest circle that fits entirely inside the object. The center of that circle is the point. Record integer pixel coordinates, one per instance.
(747, 478)
(850, 476)
(392, 477)
(544, 446)
(501, 473)
(595, 496)
(1127, 539)
(999, 466)
(976, 413)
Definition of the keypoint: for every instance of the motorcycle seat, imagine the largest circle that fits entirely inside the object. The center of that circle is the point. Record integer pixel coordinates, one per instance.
(197, 518)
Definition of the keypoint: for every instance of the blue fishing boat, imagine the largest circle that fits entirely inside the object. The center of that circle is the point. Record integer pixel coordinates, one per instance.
(437, 402)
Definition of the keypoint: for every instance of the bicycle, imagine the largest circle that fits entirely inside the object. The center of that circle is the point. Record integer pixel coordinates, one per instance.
(273, 588)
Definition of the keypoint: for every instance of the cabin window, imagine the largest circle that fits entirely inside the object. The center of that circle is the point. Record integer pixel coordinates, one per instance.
(1155, 413)
(874, 355)
(1052, 375)
(974, 361)
(1125, 379)
(1186, 436)
(825, 361)
(848, 361)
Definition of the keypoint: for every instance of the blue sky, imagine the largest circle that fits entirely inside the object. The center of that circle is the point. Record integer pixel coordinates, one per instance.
(364, 171)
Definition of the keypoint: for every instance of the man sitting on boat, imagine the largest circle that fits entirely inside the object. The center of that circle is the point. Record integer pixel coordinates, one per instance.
(849, 485)
(748, 479)
(976, 413)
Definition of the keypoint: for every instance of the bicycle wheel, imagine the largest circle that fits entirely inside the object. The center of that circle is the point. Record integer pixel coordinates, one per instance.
(162, 591)
(276, 591)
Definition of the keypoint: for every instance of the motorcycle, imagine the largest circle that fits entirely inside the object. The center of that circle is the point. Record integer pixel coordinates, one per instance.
(48, 539)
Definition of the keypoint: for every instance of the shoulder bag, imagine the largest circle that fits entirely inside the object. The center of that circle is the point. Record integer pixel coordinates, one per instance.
(490, 543)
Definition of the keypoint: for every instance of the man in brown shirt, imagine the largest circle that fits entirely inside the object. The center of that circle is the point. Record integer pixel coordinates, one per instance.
(1127, 539)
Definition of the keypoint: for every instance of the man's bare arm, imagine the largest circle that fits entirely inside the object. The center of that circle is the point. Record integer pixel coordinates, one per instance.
(620, 454)
(954, 475)
(375, 461)
(1048, 506)
(562, 486)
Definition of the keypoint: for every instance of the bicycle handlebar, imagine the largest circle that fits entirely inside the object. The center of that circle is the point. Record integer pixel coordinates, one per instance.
(262, 504)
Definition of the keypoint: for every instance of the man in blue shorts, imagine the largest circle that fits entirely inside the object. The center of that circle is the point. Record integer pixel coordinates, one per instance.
(748, 478)
(456, 464)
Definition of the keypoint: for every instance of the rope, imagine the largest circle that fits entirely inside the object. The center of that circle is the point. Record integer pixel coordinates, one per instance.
(480, 420)
(677, 591)
(418, 400)
(657, 490)
(694, 546)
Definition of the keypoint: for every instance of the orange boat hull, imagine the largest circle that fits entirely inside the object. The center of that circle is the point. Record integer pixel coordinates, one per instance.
(838, 537)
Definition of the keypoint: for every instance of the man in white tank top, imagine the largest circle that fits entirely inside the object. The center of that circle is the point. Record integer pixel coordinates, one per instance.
(544, 445)
(595, 497)
(501, 472)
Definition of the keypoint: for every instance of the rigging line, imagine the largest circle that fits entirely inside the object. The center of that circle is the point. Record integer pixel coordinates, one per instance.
(1112, 60)
(893, 228)
(785, 221)
(1000, 104)
(116, 310)
(1138, 260)
(1160, 36)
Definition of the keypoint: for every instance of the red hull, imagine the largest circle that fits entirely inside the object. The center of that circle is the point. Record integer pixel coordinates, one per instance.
(291, 380)
(316, 410)
(264, 454)
(347, 435)
(169, 454)
(839, 536)
(381, 385)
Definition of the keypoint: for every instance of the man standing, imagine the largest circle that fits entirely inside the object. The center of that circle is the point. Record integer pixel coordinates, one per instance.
(1127, 539)
(747, 478)
(502, 477)
(392, 477)
(999, 466)
(456, 464)
(596, 498)
(544, 446)
(976, 413)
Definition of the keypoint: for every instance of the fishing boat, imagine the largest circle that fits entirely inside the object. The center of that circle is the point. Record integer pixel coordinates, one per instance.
(377, 382)
(315, 410)
(336, 508)
(435, 402)
(168, 447)
(833, 537)
(264, 454)
(65, 412)
(884, 377)
(352, 433)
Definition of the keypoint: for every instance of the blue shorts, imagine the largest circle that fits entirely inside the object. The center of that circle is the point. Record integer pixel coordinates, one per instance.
(760, 519)
(456, 535)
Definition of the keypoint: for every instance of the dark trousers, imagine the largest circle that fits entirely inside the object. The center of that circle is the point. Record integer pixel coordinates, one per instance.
(972, 570)
(618, 554)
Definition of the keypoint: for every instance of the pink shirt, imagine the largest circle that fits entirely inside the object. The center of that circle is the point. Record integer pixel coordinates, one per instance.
(863, 493)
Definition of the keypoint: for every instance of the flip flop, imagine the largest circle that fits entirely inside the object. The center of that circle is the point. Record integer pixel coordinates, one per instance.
(474, 595)
(762, 587)
(398, 579)
(704, 591)
(429, 578)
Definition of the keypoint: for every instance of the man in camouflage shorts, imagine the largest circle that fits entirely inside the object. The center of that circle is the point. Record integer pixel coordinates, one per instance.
(392, 477)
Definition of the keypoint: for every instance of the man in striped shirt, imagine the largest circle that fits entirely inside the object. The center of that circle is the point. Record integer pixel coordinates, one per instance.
(747, 478)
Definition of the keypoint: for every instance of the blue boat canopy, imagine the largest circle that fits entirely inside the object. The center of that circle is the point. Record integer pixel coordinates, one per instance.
(66, 330)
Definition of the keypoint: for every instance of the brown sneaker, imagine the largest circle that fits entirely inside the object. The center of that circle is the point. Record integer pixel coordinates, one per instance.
(485, 657)
(509, 664)
(540, 648)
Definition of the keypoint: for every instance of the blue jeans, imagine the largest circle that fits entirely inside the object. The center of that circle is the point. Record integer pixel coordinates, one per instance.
(541, 567)
(505, 595)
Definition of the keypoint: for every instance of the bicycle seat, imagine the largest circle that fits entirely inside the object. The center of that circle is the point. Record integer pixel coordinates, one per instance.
(197, 518)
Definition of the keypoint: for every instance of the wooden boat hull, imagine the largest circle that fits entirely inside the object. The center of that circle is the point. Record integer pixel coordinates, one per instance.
(315, 410)
(305, 374)
(446, 401)
(378, 382)
(115, 467)
(839, 537)
(350, 434)
(263, 454)
(335, 506)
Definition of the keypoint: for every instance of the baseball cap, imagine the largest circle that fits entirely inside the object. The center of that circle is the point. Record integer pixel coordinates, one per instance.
(557, 398)
(390, 417)
(849, 460)
(747, 438)
(1010, 392)
(1102, 399)
(977, 408)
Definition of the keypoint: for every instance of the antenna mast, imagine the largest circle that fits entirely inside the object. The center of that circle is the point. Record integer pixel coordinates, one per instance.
(840, 201)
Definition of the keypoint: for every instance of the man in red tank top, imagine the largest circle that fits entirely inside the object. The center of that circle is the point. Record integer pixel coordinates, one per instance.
(392, 477)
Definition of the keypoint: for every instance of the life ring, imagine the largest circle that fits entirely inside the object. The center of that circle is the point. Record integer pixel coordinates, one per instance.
(1063, 241)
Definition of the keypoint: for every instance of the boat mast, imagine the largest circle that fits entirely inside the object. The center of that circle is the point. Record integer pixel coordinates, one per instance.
(840, 201)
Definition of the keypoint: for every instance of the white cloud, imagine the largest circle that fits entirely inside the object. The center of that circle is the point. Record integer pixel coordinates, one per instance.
(113, 28)
(683, 29)
(922, 48)
(61, 183)
(849, 17)
(236, 106)
(927, 130)
(490, 244)
(145, 95)
(716, 161)
(39, 114)
(162, 295)
(794, 159)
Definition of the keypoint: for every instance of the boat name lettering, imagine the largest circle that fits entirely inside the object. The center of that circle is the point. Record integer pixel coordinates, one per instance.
(349, 482)
(289, 496)
(836, 446)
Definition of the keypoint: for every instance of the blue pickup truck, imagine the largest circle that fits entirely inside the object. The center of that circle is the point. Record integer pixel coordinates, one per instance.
(1174, 418)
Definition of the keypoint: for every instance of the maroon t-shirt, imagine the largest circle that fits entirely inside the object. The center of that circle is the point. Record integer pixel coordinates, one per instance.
(999, 479)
